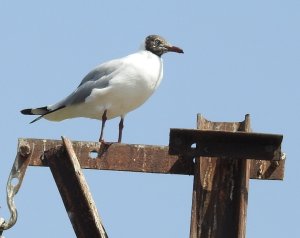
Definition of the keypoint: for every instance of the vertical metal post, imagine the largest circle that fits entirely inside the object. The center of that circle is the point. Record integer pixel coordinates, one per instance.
(74, 191)
(220, 192)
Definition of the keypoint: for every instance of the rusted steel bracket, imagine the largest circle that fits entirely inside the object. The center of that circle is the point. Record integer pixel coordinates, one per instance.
(14, 183)
(238, 144)
(140, 158)
(74, 191)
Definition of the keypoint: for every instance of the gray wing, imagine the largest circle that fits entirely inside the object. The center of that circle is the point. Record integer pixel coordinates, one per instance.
(99, 72)
(98, 78)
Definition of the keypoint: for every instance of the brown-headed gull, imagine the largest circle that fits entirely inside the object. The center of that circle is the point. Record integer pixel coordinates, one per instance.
(113, 88)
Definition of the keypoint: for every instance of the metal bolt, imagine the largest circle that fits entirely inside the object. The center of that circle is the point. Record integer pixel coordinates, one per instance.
(24, 150)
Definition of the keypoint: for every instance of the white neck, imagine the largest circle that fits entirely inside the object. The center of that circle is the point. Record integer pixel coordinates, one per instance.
(142, 46)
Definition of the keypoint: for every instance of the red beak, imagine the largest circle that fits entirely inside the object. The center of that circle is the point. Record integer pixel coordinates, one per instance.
(174, 49)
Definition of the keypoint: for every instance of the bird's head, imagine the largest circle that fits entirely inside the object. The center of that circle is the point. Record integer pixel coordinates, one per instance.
(158, 45)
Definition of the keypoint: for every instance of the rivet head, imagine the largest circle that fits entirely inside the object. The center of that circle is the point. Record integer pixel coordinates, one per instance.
(24, 150)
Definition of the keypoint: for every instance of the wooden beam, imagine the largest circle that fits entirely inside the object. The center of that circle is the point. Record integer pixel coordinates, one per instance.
(74, 191)
(220, 191)
(139, 158)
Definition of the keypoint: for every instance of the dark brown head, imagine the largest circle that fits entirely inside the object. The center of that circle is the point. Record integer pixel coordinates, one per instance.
(158, 45)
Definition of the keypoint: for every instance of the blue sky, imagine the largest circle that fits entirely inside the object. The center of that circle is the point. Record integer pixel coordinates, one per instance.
(240, 57)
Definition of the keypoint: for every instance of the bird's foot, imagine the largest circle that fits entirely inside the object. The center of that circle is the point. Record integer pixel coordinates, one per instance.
(105, 143)
(104, 146)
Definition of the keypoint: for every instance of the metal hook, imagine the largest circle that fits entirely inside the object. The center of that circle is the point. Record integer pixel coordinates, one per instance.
(14, 183)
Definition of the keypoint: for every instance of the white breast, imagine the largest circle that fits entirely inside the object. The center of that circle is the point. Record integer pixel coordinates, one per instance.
(136, 80)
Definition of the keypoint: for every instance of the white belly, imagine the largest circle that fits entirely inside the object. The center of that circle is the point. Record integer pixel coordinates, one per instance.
(118, 100)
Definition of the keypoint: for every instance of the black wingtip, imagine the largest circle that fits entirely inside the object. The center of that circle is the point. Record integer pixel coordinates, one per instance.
(42, 111)
(27, 111)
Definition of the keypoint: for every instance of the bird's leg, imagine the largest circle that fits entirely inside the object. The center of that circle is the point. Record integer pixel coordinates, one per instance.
(121, 126)
(104, 118)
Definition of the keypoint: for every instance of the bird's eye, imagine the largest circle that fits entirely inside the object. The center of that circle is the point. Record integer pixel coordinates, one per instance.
(157, 42)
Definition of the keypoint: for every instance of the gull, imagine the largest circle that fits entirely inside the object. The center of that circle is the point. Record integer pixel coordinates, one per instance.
(113, 88)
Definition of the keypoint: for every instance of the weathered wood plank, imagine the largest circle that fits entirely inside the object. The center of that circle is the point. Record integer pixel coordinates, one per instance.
(220, 191)
(74, 191)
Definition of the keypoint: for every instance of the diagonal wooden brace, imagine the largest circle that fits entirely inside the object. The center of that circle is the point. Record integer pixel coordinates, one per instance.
(74, 191)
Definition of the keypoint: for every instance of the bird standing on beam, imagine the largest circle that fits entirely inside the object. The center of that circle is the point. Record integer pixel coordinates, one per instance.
(113, 88)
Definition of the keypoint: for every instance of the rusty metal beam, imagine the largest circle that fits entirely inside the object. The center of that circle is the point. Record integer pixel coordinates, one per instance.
(74, 191)
(139, 158)
(238, 144)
